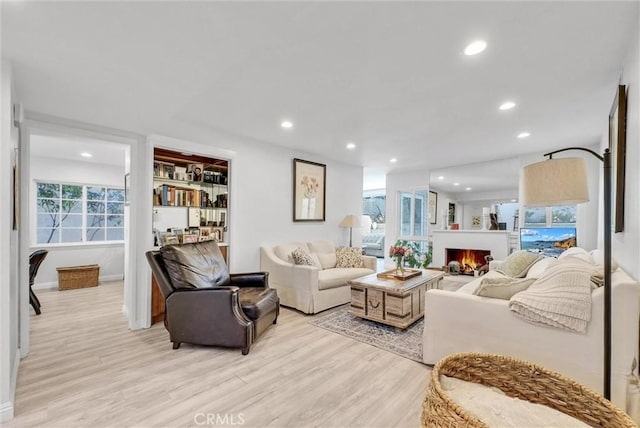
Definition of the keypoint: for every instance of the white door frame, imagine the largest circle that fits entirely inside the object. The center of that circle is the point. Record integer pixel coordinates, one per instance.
(133, 308)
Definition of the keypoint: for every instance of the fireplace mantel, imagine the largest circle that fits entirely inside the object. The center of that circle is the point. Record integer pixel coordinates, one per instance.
(496, 241)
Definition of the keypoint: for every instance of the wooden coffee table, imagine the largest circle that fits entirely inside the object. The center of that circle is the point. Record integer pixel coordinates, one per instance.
(394, 302)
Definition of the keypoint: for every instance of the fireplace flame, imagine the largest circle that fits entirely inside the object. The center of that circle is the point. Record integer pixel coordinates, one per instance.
(469, 260)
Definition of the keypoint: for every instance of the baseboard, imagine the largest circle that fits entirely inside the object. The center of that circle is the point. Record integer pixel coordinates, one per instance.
(53, 285)
(46, 285)
(6, 408)
(107, 278)
(6, 411)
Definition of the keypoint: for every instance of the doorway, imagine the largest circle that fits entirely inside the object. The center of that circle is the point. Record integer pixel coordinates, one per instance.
(72, 204)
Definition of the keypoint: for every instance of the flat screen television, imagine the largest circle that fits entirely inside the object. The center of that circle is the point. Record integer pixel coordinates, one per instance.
(550, 241)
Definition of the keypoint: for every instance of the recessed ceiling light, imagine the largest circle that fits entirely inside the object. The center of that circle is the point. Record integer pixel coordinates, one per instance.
(86, 155)
(467, 188)
(507, 105)
(441, 177)
(475, 47)
(523, 135)
(514, 200)
(393, 160)
(286, 124)
(456, 184)
(351, 146)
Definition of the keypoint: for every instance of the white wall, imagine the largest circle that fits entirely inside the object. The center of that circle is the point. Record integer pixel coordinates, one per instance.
(264, 216)
(9, 283)
(626, 245)
(110, 257)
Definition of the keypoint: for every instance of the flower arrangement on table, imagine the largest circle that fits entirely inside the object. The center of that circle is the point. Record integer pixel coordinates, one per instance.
(399, 252)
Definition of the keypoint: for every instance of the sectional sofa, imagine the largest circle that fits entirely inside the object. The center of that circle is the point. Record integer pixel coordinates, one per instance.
(463, 322)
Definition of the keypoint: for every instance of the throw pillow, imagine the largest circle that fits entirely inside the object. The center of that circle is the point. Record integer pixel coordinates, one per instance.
(518, 263)
(502, 288)
(197, 265)
(301, 257)
(349, 257)
(327, 260)
(577, 252)
(598, 259)
(538, 268)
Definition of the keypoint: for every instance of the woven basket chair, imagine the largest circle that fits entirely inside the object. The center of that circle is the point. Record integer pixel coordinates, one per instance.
(520, 379)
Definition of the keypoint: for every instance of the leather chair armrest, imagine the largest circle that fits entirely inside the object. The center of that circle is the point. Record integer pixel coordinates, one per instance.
(201, 303)
(191, 313)
(253, 279)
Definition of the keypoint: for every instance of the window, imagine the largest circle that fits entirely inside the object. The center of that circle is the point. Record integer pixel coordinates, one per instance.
(560, 216)
(413, 213)
(413, 219)
(78, 213)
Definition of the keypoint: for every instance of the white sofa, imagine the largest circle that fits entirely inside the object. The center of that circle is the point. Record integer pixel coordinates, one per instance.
(463, 322)
(310, 289)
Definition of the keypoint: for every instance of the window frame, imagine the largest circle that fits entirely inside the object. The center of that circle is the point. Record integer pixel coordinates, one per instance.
(412, 214)
(83, 212)
(549, 217)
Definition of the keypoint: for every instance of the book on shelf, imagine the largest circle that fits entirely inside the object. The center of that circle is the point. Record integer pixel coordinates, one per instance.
(168, 195)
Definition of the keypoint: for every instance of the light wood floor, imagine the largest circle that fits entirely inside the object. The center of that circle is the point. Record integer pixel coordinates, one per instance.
(87, 369)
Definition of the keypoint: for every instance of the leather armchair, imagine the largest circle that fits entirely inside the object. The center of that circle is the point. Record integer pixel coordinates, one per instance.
(206, 305)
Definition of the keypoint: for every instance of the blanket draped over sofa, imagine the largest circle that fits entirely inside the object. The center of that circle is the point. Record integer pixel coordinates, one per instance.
(560, 298)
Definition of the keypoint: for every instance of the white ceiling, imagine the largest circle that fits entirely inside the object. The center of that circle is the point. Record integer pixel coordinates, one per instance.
(501, 177)
(389, 76)
(57, 146)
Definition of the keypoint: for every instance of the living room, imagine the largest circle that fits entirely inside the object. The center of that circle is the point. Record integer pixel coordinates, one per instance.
(150, 79)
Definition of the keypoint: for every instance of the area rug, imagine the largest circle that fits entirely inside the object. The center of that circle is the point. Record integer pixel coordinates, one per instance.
(406, 343)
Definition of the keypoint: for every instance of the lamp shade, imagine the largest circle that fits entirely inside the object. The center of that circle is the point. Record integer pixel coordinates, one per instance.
(553, 182)
(350, 220)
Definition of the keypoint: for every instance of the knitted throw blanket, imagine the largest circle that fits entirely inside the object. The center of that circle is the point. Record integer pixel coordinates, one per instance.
(561, 297)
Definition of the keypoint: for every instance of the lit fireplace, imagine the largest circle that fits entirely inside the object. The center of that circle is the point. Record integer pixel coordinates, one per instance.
(469, 259)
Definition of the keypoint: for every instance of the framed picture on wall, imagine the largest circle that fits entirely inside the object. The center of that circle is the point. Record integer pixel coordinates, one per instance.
(452, 213)
(433, 207)
(309, 190)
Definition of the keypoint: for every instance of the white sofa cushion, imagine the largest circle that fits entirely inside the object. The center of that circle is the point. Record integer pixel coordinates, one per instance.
(577, 252)
(334, 278)
(325, 250)
(538, 268)
(327, 260)
(322, 246)
(283, 251)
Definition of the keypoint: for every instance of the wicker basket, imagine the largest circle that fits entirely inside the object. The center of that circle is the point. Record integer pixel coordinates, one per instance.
(70, 278)
(519, 379)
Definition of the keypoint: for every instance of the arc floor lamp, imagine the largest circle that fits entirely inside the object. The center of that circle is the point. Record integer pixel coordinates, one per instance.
(562, 182)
